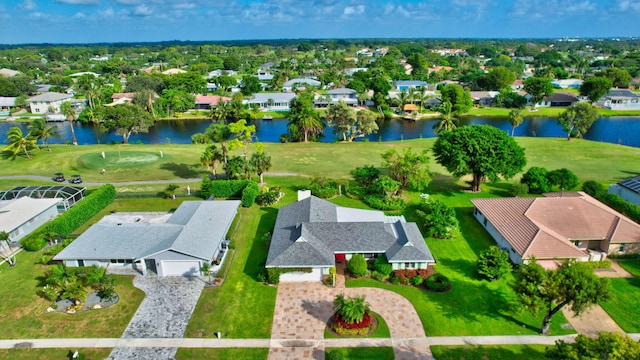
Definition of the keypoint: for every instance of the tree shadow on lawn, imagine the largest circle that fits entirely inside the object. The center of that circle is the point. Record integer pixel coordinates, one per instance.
(260, 249)
(445, 185)
(500, 189)
(181, 170)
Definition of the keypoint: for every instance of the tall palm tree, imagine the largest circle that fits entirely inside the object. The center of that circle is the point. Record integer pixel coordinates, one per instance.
(68, 111)
(403, 97)
(39, 129)
(210, 158)
(447, 121)
(18, 142)
(515, 118)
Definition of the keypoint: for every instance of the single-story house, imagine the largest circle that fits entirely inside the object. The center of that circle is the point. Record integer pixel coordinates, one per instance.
(315, 234)
(484, 98)
(273, 101)
(558, 226)
(175, 244)
(48, 102)
(219, 72)
(349, 96)
(410, 84)
(6, 104)
(557, 99)
(300, 84)
(628, 189)
(620, 99)
(78, 74)
(121, 98)
(207, 102)
(9, 72)
(567, 83)
(20, 216)
(173, 71)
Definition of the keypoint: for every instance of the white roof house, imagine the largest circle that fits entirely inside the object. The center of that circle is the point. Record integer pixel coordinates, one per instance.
(300, 83)
(274, 101)
(48, 102)
(20, 216)
(175, 245)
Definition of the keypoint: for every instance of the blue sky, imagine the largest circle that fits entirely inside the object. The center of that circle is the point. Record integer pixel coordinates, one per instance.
(90, 21)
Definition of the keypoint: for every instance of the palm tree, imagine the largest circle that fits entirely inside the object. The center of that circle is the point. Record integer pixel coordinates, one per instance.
(260, 162)
(210, 158)
(68, 111)
(447, 122)
(351, 310)
(403, 97)
(220, 133)
(18, 142)
(39, 129)
(515, 118)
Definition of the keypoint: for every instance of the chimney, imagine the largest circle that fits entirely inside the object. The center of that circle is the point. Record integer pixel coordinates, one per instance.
(303, 194)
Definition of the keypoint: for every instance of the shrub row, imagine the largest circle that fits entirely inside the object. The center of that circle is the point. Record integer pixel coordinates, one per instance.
(73, 218)
(268, 197)
(410, 276)
(604, 264)
(381, 203)
(245, 190)
(599, 192)
(249, 194)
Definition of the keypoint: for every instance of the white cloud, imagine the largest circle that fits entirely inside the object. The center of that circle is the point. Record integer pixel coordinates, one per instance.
(142, 10)
(184, 6)
(353, 10)
(626, 5)
(28, 5)
(79, 2)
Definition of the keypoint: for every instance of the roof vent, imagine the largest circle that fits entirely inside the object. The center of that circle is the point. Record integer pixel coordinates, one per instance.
(408, 243)
(300, 239)
(303, 194)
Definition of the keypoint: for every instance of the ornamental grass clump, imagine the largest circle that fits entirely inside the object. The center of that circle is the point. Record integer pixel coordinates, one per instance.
(352, 316)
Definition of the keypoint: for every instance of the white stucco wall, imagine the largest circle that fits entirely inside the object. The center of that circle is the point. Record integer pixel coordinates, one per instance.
(314, 275)
(28, 226)
(500, 240)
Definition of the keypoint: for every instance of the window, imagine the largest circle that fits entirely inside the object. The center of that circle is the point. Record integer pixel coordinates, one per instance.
(621, 248)
(485, 222)
(409, 265)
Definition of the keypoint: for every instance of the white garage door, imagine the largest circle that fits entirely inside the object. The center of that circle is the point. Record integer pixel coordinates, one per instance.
(314, 275)
(180, 268)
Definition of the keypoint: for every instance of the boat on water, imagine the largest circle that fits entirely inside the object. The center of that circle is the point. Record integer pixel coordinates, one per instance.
(267, 117)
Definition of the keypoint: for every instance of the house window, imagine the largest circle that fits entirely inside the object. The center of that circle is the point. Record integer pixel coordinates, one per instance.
(409, 265)
(485, 222)
(621, 248)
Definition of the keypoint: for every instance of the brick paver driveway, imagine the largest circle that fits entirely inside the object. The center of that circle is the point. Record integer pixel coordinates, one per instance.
(303, 309)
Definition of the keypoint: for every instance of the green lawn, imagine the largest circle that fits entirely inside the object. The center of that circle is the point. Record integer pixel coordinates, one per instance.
(47, 354)
(494, 352)
(222, 354)
(365, 353)
(23, 311)
(625, 299)
(242, 307)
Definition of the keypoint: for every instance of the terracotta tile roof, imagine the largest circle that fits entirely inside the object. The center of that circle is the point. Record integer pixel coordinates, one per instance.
(129, 95)
(212, 100)
(544, 227)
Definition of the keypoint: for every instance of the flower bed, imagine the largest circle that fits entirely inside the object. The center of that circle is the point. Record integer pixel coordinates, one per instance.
(363, 328)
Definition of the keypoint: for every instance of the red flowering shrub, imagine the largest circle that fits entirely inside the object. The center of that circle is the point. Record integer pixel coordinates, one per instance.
(339, 323)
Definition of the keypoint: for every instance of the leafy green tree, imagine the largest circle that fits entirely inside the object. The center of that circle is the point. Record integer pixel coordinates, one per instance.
(242, 134)
(500, 77)
(189, 82)
(250, 85)
(493, 263)
(607, 346)
(572, 283)
(459, 98)
(260, 163)
(19, 142)
(380, 85)
(357, 265)
(536, 179)
(304, 122)
(70, 114)
(438, 218)
(387, 186)
(619, 77)
(210, 158)
(577, 119)
(126, 120)
(410, 169)
(225, 82)
(351, 309)
(40, 131)
(595, 87)
(232, 62)
(342, 118)
(220, 133)
(141, 82)
(479, 150)
(515, 119)
(366, 123)
(563, 178)
(176, 100)
(538, 88)
(238, 168)
(366, 175)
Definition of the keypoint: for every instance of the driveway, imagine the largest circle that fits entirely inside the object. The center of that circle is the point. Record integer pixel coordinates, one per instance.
(303, 309)
(164, 313)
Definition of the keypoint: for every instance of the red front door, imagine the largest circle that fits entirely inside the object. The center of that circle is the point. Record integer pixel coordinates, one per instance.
(340, 258)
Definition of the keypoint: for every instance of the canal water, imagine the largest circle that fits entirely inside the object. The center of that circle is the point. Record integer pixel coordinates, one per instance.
(624, 130)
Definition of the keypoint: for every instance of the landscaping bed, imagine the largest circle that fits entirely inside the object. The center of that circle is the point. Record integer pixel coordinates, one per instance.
(93, 302)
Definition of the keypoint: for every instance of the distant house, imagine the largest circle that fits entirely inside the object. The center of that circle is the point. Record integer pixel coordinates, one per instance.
(410, 84)
(620, 99)
(121, 98)
(557, 227)
(264, 75)
(567, 83)
(19, 217)
(351, 71)
(300, 84)
(48, 102)
(173, 71)
(517, 85)
(220, 72)
(315, 234)
(78, 74)
(628, 189)
(8, 72)
(349, 96)
(557, 99)
(274, 101)
(175, 244)
(484, 98)
(6, 104)
(207, 102)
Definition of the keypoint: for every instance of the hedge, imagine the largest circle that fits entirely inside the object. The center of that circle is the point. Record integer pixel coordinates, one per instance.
(614, 201)
(73, 218)
(380, 203)
(249, 194)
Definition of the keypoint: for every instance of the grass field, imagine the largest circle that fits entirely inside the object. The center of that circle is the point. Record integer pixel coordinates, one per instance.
(364, 353)
(625, 299)
(48, 354)
(222, 354)
(505, 352)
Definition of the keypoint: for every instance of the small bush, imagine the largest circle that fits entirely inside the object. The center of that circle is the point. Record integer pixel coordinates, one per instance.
(395, 280)
(593, 188)
(378, 276)
(357, 265)
(437, 283)
(261, 277)
(439, 219)
(382, 203)
(335, 355)
(273, 275)
(267, 198)
(625, 256)
(382, 266)
(416, 280)
(536, 179)
(603, 264)
(249, 194)
(493, 263)
(519, 189)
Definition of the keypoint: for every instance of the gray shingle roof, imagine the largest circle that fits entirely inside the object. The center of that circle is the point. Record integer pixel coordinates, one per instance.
(196, 229)
(309, 233)
(49, 96)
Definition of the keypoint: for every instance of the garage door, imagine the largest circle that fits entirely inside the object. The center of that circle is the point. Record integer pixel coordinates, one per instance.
(314, 275)
(180, 268)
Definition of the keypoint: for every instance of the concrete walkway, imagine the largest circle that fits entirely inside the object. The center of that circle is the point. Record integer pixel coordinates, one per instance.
(592, 322)
(164, 313)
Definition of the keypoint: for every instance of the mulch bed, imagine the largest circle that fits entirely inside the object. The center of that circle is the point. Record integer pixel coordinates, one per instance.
(94, 302)
(372, 328)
